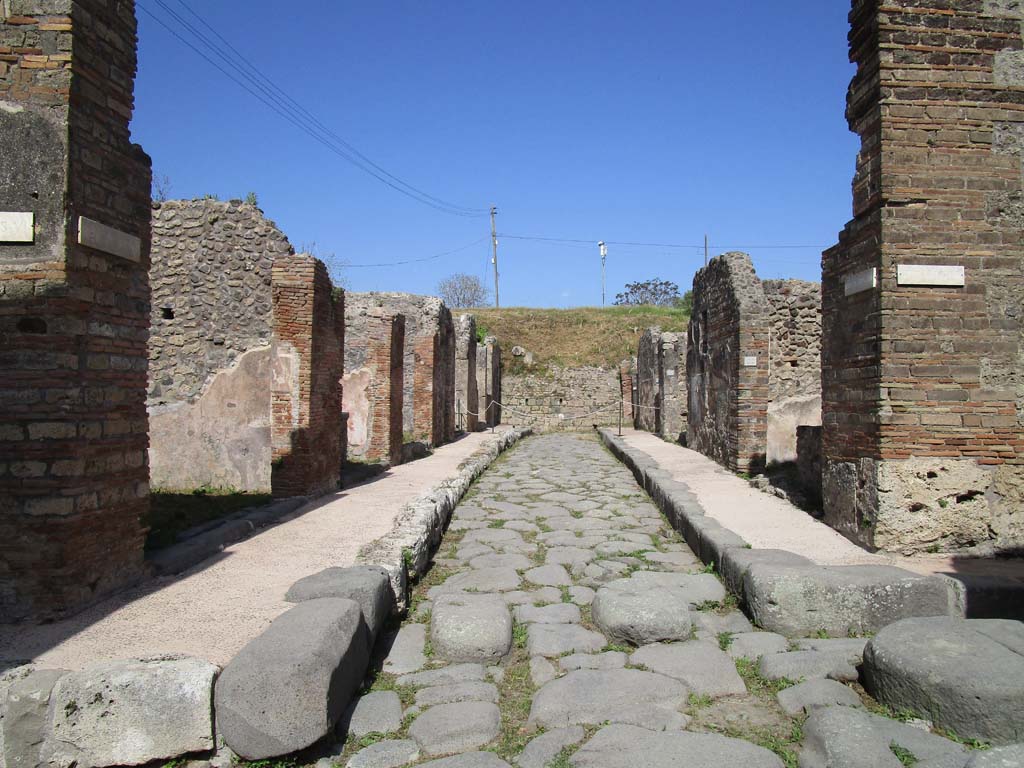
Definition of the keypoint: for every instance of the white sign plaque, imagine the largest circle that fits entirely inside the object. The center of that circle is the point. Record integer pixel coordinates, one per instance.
(860, 281)
(17, 227)
(92, 234)
(750, 361)
(930, 274)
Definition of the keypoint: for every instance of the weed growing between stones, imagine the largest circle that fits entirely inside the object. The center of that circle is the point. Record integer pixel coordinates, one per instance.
(758, 684)
(725, 640)
(905, 756)
(515, 692)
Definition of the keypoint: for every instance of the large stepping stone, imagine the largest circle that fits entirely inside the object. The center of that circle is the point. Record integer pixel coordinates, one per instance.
(287, 688)
(120, 713)
(593, 697)
(627, 746)
(843, 737)
(559, 639)
(368, 585)
(638, 612)
(965, 676)
(704, 668)
(471, 628)
(458, 727)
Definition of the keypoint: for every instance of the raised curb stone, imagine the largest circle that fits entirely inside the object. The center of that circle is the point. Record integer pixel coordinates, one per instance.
(130, 713)
(368, 585)
(954, 673)
(23, 715)
(287, 688)
(471, 628)
(449, 728)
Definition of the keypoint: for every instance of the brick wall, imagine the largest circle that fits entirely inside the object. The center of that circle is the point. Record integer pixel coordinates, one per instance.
(922, 383)
(73, 317)
(209, 344)
(727, 364)
(374, 379)
(467, 395)
(306, 398)
(488, 377)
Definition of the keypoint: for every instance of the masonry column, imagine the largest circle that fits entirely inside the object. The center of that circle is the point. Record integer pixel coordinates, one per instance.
(74, 307)
(923, 297)
(466, 392)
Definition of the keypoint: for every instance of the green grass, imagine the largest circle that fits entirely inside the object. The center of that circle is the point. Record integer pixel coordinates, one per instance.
(724, 640)
(758, 684)
(905, 756)
(173, 511)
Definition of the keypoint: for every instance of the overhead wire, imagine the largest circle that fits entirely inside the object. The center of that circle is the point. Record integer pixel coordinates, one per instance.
(417, 261)
(263, 89)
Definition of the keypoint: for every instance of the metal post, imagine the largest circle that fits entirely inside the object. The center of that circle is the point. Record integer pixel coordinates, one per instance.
(621, 406)
(604, 254)
(494, 260)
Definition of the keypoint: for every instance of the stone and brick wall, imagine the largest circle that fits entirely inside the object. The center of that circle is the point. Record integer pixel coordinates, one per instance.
(428, 414)
(210, 350)
(467, 395)
(923, 390)
(374, 380)
(74, 307)
(627, 389)
(660, 384)
(648, 382)
(306, 398)
(794, 310)
(488, 377)
(727, 364)
(562, 398)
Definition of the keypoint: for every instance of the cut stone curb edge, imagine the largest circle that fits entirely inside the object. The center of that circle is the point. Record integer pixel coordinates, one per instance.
(417, 532)
(732, 556)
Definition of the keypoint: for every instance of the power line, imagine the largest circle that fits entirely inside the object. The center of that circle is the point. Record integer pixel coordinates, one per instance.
(416, 261)
(263, 89)
(651, 245)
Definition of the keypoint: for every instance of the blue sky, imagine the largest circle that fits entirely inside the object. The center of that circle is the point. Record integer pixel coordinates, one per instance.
(653, 121)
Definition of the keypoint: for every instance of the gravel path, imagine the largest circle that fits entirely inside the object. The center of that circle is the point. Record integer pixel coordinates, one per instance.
(564, 623)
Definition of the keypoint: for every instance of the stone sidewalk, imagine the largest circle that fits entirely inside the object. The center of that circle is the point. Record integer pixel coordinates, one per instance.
(566, 624)
(215, 608)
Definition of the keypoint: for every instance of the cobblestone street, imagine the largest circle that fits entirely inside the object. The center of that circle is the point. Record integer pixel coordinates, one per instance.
(565, 623)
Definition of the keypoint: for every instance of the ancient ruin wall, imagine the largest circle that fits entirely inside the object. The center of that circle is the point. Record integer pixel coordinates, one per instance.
(672, 385)
(74, 307)
(308, 365)
(794, 308)
(727, 364)
(627, 379)
(373, 385)
(923, 393)
(467, 395)
(428, 413)
(648, 381)
(562, 398)
(210, 344)
(488, 377)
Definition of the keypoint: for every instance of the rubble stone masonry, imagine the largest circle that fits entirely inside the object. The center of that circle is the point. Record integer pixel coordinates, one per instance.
(307, 429)
(210, 353)
(467, 395)
(557, 398)
(488, 377)
(660, 384)
(648, 382)
(374, 380)
(74, 306)
(923, 370)
(727, 364)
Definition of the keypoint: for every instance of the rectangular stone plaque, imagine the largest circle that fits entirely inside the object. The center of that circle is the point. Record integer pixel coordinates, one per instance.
(17, 227)
(930, 274)
(92, 234)
(750, 361)
(860, 281)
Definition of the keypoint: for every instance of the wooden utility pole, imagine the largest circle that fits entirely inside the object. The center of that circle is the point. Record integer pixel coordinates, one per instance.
(494, 259)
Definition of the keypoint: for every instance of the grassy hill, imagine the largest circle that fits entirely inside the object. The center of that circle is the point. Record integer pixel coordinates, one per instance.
(599, 336)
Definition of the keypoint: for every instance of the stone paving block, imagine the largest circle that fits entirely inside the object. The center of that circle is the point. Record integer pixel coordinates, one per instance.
(592, 697)
(549, 576)
(368, 585)
(541, 671)
(703, 667)
(450, 694)
(457, 727)
(541, 751)
(23, 716)
(132, 712)
(471, 628)
(478, 580)
(514, 561)
(393, 753)
(558, 613)
(582, 595)
(947, 671)
(468, 760)
(376, 712)
(559, 639)
(606, 660)
(450, 675)
(843, 737)
(568, 556)
(626, 746)
(287, 688)
(406, 652)
(805, 665)
(1010, 756)
(805, 697)
(754, 645)
(641, 614)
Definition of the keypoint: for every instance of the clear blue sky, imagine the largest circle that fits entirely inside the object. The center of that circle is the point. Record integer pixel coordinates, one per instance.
(652, 121)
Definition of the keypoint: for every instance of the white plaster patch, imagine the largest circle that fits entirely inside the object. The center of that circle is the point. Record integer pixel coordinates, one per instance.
(857, 282)
(750, 361)
(17, 227)
(92, 234)
(1008, 68)
(11, 108)
(930, 274)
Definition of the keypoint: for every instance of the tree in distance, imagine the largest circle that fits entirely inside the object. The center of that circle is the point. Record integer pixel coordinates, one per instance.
(658, 293)
(463, 291)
